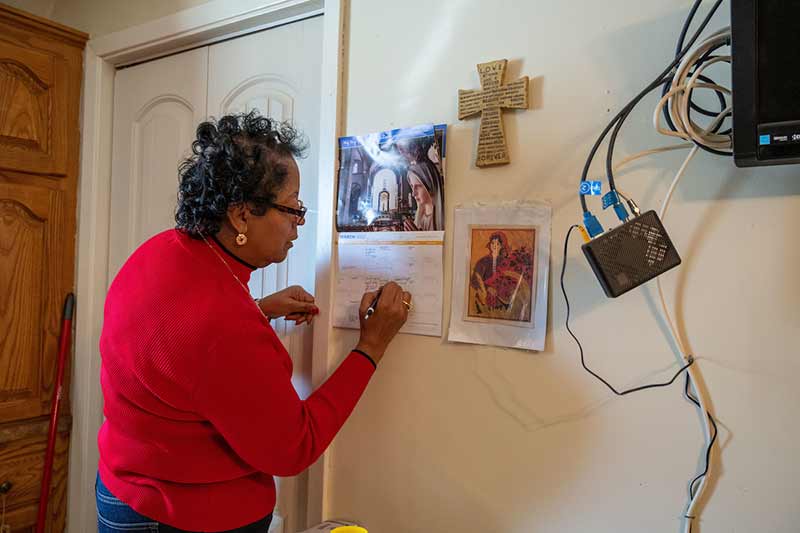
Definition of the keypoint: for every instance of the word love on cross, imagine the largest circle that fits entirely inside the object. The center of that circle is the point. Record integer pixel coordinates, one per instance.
(490, 101)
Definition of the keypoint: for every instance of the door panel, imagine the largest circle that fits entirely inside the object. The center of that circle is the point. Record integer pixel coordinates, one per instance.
(33, 118)
(278, 72)
(273, 97)
(30, 290)
(157, 106)
(159, 141)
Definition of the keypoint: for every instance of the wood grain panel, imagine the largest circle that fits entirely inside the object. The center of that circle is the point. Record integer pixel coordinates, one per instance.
(33, 114)
(40, 77)
(21, 254)
(24, 105)
(30, 296)
(21, 463)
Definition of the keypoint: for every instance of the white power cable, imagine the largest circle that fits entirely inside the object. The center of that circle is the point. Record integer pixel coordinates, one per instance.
(645, 153)
(692, 370)
(651, 151)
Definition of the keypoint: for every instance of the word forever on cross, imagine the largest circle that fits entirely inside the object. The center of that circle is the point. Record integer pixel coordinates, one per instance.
(490, 100)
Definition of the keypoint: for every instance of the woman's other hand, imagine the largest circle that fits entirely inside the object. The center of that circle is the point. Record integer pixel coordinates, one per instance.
(389, 316)
(292, 303)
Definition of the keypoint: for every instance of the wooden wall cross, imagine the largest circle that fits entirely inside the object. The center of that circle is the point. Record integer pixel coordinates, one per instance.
(489, 101)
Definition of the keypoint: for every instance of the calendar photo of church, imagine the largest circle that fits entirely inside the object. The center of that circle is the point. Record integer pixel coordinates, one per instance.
(392, 180)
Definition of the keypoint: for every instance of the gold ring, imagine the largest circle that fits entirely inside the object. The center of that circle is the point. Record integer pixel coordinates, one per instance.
(408, 305)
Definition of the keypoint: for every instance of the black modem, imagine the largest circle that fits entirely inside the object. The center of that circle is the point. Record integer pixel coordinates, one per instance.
(631, 254)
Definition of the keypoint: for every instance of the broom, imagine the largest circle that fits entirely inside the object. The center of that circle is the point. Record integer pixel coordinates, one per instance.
(63, 350)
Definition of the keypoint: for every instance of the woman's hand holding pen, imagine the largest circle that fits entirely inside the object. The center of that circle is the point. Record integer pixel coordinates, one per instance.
(391, 306)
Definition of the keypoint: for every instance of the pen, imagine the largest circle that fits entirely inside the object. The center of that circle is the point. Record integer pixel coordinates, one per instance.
(371, 308)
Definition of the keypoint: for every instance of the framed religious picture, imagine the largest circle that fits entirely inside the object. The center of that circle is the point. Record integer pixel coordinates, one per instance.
(502, 268)
(501, 264)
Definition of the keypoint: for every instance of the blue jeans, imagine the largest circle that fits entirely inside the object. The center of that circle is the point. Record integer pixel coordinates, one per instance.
(116, 516)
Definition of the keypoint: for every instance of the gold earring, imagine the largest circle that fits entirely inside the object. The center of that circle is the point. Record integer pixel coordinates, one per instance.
(241, 239)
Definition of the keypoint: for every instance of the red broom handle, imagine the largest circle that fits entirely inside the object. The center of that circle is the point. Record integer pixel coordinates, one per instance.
(63, 350)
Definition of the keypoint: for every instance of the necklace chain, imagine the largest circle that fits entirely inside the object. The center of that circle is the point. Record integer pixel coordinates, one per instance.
(242, 285)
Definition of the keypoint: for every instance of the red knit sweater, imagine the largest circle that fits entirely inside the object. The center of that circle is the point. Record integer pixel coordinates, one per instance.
(199, 404)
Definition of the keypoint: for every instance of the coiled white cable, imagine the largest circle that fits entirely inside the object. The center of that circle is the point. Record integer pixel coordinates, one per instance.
(678, 98)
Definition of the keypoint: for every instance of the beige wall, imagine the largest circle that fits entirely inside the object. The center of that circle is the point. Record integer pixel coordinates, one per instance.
(100, 17)
(452, 437)
(41, 8)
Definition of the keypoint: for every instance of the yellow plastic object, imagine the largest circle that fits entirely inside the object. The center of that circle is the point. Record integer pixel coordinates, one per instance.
(584, 233)
(349, 529)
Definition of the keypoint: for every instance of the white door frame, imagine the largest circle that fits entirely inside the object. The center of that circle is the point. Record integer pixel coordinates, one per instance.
(201, 25)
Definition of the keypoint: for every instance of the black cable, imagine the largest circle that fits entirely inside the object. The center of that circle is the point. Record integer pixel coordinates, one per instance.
(659, 80)
(685, 29)
(707, 56)
(703, 59)
(723, 103)
(623, 112)
(613, 139)
(718, 126)
(678, 47)
(708, 449)
(710, 444)
(617, 127)
(583, 361)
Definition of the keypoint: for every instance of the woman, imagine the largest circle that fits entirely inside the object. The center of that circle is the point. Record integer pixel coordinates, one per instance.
(199, 405)
(426, 187)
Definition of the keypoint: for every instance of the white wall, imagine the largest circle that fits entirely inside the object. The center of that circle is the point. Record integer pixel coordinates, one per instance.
(453, 437)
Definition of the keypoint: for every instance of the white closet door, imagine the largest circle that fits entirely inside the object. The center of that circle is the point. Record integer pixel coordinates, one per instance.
(277, 72)
(157, 107)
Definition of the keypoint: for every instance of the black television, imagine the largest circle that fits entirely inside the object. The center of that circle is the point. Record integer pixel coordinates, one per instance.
(765, 46)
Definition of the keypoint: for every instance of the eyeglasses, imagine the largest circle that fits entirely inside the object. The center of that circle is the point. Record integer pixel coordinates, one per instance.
(299, 212)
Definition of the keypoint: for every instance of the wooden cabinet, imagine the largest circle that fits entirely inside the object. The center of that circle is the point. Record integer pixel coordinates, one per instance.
(40, 82)
(22, 450)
